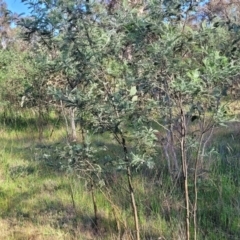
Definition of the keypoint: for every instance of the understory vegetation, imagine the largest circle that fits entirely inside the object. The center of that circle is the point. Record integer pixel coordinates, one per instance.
(39, 199)
(120, 120)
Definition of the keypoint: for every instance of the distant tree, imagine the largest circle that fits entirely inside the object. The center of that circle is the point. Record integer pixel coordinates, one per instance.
(227, 10)
(7, 18)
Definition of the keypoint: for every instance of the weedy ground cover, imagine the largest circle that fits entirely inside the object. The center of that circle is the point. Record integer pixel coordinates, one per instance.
(41, 201)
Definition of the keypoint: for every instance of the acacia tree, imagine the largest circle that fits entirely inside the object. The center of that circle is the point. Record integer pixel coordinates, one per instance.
(101, 84)
(189, 74)
(191, 71)
(123, 65)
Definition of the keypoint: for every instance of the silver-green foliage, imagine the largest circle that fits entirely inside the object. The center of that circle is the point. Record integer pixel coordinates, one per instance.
(127, 69)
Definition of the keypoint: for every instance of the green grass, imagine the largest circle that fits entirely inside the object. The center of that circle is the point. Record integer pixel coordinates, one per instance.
(36, 202)
(36, 197)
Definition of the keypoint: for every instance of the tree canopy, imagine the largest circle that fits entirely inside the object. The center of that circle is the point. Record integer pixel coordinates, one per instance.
(149, 74)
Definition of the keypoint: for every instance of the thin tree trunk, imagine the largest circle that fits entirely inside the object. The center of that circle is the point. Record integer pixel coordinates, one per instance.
(133, 202)
(73, 124)
(198, 159)
(131, 190)
(185, 172)
(196, 187)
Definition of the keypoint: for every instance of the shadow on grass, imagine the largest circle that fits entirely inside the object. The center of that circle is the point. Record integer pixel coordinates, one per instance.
(19, 123)
(148, 191)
